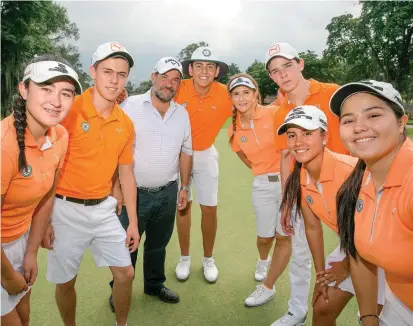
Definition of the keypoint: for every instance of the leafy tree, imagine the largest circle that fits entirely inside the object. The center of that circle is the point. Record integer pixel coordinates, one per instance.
(29, 28)
(266, 84)
(376, 45)
(233, 69)
(144, 87)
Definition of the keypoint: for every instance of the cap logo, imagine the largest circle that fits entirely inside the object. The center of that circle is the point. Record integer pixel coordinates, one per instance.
(172, 61)
(60, 68)
(27, 171)
(206, 52)
(274, 49)
(322, 122)
(116, 46)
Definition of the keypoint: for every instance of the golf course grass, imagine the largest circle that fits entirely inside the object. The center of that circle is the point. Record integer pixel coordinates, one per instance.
(201, 304)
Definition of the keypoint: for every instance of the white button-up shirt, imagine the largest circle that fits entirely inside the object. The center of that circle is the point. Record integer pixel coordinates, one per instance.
(158, 141)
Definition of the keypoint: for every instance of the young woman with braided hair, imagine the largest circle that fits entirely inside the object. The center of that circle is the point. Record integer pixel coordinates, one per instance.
(375, 204)
(33, 145)
(252, 138)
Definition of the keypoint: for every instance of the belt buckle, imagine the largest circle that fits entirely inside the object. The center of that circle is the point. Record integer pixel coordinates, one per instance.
(90, 202)
(274, 178)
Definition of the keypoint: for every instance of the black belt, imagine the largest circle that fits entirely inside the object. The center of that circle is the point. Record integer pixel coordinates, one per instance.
(86, 202)
(156, 189)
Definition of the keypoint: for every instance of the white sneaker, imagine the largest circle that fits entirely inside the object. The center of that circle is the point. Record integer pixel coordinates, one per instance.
(261, 269)
(210, 269)
(260, 296)
(290, 320)
(182, 269)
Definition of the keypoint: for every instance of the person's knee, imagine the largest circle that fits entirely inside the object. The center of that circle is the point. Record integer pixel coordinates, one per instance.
(66, 287)
(321, 309)
(209, 210)
(265, 241)
(123, 274)
(283, 241)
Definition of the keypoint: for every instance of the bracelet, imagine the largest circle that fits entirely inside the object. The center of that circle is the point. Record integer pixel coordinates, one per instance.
(365, 316)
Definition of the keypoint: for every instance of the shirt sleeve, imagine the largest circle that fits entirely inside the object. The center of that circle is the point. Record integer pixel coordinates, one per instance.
(229, 107)
(126, 157)
(8, 170)
(187, 143)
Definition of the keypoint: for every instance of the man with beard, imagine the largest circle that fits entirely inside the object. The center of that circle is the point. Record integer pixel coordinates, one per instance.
(162, 152)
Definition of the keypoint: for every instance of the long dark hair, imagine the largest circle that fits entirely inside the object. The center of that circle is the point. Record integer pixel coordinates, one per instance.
(292, 192)
(19, 111)
(347, 197)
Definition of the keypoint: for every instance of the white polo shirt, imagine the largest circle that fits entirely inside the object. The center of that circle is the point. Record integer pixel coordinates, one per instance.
(158, 141)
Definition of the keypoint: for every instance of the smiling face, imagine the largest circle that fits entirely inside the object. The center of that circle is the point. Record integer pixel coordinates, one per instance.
(286, 73)
(110, 76)
(244, 98)
(305, 145)
(48, 103)
(166, 85)
(203, 72)
(369, 127)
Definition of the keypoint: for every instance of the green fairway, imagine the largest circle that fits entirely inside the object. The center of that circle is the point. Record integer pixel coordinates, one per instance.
(201, 304)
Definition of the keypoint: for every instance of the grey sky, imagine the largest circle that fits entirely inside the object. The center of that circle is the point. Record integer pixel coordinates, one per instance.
(240, 31)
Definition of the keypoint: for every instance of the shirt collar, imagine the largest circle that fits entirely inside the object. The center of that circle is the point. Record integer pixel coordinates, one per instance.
(193, 92)
(86, 105)
(148, 99)
(315, 88)
(327, 170)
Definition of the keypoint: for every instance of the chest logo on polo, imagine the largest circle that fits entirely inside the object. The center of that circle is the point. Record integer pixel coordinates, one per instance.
(118, 130)
(85, 126)
(309, 200)
(243, 139)
(359, 205)
(27, 171)
(214, 107)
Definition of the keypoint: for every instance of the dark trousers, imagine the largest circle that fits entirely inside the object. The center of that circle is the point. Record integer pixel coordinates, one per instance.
(156, 217)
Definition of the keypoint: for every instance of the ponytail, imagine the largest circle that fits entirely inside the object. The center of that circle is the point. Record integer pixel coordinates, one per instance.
(347, 197)
(292, 192)
(20, 123)
(234, 124)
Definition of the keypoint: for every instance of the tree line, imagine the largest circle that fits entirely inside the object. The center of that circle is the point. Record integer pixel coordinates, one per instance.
(376, 45)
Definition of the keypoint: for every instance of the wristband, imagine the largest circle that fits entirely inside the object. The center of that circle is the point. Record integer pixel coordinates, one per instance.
(365, 316)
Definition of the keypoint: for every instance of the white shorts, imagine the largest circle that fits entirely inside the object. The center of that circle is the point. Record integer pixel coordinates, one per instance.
(15, 252)
(347, 284)
(78, 227)
(204, 177)
(395, 312)
(266, 199)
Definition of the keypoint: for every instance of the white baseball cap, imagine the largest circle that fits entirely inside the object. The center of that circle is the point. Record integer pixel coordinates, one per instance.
(110, 49)
(241, 81)
(166, 64)
(383, 90)
(283, 50)
(206, 54)
(308, 117)
(43, 71)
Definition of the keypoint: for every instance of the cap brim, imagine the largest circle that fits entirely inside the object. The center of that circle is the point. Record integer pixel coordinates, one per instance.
(164, 72)
(78, 86)
(305, 124)
(340, 95)
(280, 55)
(223, 67)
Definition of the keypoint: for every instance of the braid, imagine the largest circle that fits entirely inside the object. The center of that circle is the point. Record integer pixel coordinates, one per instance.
(20, 123)
(234, 124)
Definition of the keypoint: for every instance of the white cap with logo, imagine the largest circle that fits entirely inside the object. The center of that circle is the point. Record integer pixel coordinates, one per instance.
(110, 49)
(206, 54)
(166, 64)
(308, 117)
(383, 90)
(283, 50)
(43, 71)
(241, 81)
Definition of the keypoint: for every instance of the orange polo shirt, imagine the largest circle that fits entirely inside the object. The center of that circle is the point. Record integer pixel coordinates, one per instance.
(23, 191)
(207, 114)
(96, 147)
(335, 169)
(384, 224)
(319, 96)
(257, 143)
